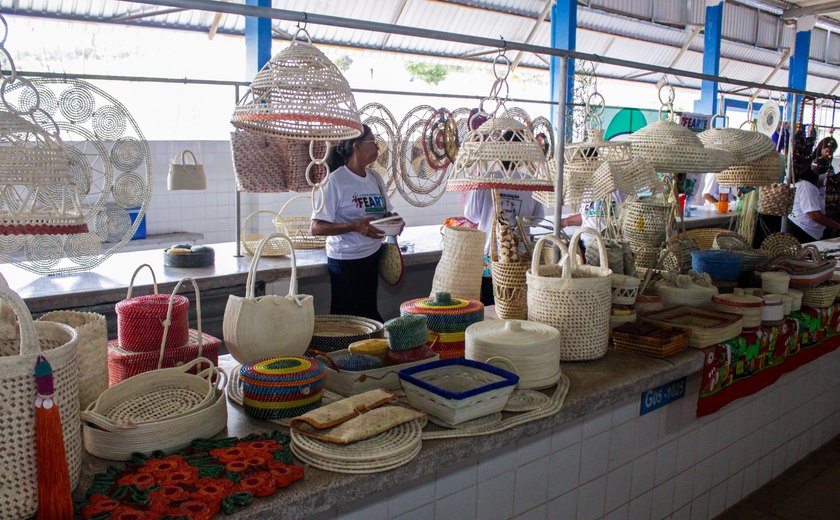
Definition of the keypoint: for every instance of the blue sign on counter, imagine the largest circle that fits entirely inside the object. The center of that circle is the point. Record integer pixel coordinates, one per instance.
(662, 395)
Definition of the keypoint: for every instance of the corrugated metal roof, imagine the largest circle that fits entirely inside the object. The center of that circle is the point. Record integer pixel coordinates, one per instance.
(599, 31)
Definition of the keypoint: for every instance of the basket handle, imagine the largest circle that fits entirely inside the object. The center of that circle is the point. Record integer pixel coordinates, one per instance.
(168, 320)
(214, 376)
(131, 283)
(252, 272)
(100, 421)
(184, 157)
(503, 361)
(564, 255)
(574, 250)
(298, 197)
(29, 343)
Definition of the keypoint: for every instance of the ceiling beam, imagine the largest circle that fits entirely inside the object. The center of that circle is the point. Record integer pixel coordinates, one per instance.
(217, 21)
(533, 32)
(695, 30)
(818, 9)
(395, 20)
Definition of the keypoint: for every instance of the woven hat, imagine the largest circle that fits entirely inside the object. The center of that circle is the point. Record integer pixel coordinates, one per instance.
(501, 154)
(671, 147)
(39, 193)
(745, 146)
(300, 94)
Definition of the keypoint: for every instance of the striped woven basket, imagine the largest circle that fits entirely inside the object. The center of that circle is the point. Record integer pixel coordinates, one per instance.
(140, 320)
(448, 318)
(279, 387)
(337, 331)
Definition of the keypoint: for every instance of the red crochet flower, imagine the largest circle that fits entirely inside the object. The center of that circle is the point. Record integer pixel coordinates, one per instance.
(255, 461)
(225, 455)
(212, 485)
(167, 494)
(237, 466)
(262, 447)
(285, 474)
(195, 510)
(141, 480)
(162, 467)
(99, 504)
(259, 484)
(182, 477)
(129, 513)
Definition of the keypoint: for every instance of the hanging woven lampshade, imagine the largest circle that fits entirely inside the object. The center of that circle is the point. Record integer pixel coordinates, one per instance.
(501, 154)
(673, 148)
(300, 94)
(37, 191)
(764, 171)
(745, 146)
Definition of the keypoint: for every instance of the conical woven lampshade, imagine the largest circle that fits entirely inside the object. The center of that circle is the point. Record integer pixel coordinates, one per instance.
(745, 146)
(673, 148)
(764, 171)
(37, 192)
(300, 94)
(501, 154)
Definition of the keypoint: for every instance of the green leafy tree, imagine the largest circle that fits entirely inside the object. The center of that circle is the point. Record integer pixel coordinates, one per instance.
(343, 62)
(431, 74)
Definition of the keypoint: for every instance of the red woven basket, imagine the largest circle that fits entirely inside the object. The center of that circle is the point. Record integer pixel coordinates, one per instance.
(141, 320)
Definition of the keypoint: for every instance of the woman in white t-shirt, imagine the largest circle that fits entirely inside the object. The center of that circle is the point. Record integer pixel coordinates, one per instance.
(808, 214)
(353, 197)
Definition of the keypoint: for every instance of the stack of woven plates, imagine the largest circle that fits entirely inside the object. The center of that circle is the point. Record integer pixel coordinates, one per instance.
(748, 306)
(383, 452)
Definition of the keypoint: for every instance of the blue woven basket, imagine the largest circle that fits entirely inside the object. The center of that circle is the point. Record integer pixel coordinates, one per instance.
(721, 265)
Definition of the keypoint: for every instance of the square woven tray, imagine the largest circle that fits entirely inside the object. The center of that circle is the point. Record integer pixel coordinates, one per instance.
(649, 339)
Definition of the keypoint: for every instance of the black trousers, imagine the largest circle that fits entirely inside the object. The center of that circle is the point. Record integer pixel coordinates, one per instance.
(353, 286)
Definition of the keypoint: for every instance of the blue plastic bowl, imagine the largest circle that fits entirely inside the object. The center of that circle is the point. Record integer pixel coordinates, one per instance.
(721, 265)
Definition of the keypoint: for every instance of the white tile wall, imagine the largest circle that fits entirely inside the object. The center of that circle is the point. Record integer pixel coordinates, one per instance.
(211, 211)
(678, 465)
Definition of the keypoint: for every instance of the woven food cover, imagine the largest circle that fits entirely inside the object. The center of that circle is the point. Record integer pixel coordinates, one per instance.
(407, 332)
(448, 318)
(279, 387)
(33, 163)
(140, 322)
(744, 145)
(671, 147)
(300, 94)
(501, 154)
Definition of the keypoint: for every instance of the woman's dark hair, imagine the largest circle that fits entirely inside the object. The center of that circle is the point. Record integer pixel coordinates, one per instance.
(340, 153)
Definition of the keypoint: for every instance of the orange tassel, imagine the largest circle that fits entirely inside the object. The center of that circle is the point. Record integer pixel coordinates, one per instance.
(55, 501)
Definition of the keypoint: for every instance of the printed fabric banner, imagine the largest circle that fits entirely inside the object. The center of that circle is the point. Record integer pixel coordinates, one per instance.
(758, 357)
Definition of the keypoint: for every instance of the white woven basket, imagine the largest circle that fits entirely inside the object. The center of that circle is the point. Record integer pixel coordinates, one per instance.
(625, 289)
(644, 222)
(461, 263)
(21, 343)
(573, 298)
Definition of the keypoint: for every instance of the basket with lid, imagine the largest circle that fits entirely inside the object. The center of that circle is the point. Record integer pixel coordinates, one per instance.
(532, 348)
(748, 306)
(448, 318)
(278, 387)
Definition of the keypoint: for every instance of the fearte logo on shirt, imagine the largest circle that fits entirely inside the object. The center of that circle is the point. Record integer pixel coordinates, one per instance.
(372, 203)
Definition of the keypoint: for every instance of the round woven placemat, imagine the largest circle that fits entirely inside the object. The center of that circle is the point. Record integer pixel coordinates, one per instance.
(526, 401)
(480, 422)
(376, 451)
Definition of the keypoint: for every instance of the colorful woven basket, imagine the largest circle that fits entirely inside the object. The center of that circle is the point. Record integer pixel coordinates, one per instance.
(337, 331)
(448, 318)
(407, 332)
(280, 387)
(140, 320)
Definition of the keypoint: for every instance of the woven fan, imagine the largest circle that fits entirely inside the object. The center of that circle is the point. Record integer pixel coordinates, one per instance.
(300, 94)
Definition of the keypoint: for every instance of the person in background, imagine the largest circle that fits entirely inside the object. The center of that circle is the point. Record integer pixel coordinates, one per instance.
(808, 214)
(353, 197)
(711, 191)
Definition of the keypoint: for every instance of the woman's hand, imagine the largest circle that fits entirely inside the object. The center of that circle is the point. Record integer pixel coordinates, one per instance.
(365, 228)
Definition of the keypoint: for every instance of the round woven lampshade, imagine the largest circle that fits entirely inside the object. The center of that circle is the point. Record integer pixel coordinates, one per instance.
(35, 180)
(501, 154)
(300, 94)
(671, 147)
(745, 146)
(764, 171)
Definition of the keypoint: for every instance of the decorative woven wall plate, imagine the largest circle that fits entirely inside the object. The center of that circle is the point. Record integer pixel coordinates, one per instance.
(420, 183)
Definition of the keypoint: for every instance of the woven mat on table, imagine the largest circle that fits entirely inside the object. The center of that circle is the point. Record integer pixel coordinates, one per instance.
(199, 481)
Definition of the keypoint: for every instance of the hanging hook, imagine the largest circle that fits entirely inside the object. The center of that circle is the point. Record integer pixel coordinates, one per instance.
(305, 18)
(502, 46)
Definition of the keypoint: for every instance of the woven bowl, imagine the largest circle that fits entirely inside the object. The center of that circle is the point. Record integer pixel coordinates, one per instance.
(336, 331)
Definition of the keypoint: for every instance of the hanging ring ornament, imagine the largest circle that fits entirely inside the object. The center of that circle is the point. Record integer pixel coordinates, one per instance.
(318, 160)
(309, 173)
(671, 96)
(5, 31)
(317, 189)
(12, 69)
(595, 104)
(501, 66)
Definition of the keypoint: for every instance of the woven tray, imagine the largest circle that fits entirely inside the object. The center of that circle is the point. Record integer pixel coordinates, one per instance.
(649, 339)
(706, 327)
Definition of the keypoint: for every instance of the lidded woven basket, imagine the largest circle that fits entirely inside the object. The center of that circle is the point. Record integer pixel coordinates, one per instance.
(300, 94)
(448, 317)
(745, 146)
(671, 147)
(279, 387)
(502, 153)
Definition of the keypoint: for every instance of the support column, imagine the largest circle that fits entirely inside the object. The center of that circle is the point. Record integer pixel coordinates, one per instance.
(708, 102)
(798, 65)
(563, 36)
(257, 40)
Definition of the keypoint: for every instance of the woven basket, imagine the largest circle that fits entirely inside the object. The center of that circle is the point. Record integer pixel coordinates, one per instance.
(92, 330)
(776, 199)
(822, 295)
(278, 387)
(159, 410)
(140, 320)
(123, 364)
(625, 289)
(297, 228)
(781, 244)
(250, 240)
(573, 298)
(645, 221)
(703, 237)
(763, 171)
(461, 263)
(337, 331)
(448, 318)
(744, 145)
(257, 162)
(730, 241)
(300, 94)
(21, 343)
(671, 147)
(510, 289)
(407, 332)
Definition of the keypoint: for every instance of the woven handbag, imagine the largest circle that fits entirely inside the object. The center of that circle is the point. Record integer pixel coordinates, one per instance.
(776, 199)
(186, 176)
(256, 327)
(391, 262)
(298, 228)
(92, 329)
(142, 320)
(123, 364)
(21, 343)
(573, 298)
